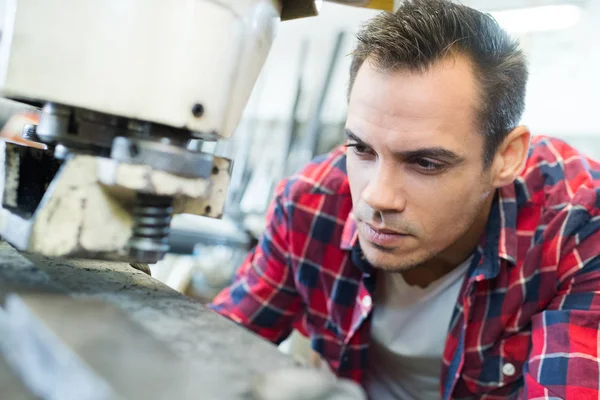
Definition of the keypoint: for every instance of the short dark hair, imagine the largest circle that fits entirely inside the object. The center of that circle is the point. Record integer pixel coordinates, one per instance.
(423, 32)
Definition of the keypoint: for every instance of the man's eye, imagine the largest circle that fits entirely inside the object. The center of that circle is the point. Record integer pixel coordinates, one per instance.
(358, 148)
(428, 166)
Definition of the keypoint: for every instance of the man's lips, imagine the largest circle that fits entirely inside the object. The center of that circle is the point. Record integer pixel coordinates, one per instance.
(382, 236)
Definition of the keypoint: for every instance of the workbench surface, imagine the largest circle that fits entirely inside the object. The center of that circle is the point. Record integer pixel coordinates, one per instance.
(231, 356)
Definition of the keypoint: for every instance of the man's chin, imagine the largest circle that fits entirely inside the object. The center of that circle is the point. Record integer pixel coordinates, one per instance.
(395, 268)
(390, 260)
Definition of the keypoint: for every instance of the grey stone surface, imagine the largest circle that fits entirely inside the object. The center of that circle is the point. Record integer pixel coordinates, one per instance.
(228, 357)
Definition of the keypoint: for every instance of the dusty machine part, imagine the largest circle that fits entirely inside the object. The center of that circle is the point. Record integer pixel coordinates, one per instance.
(225, 358)
(96, 207)
(106, 187)
(124, 139)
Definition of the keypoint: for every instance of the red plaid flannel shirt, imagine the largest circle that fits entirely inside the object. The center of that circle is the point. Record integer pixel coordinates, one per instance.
(529, 304)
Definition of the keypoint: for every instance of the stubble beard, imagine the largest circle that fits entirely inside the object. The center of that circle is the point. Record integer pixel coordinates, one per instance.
(400, 267)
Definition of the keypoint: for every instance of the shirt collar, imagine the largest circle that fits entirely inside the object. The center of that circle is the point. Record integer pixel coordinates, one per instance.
(501, 225)
(350, 233)
(507, 240)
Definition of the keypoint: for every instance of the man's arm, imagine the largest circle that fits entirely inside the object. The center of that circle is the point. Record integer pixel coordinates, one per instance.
(564, 362)
(263, 296)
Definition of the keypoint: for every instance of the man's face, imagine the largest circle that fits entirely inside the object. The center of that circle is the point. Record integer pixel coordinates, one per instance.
(415, 164)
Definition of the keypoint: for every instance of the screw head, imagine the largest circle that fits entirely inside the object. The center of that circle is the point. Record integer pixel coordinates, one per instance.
(29, 133)
(198, 110)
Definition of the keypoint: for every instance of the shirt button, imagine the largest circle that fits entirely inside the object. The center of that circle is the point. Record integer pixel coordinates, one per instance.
(367, 301)
(508, 369)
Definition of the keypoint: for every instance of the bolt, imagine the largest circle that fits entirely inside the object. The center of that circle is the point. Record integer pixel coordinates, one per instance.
(198, 110)
(134, 150)
(207, 210)
(29, 133)
(215, 170)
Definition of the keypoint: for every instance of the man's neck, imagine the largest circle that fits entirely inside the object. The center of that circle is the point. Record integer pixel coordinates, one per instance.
(425, 274)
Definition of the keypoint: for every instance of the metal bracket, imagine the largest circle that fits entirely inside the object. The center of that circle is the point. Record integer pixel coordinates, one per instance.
(164, 157)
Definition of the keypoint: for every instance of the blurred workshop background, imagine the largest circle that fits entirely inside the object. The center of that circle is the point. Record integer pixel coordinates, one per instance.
(298, 107)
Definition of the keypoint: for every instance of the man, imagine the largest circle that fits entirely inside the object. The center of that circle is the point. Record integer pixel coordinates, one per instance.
(443, 250)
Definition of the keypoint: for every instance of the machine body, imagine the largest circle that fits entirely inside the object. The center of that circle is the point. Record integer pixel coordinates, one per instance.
(128, 92)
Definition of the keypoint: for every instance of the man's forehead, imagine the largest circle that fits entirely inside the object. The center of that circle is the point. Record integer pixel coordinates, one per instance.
(447, 87)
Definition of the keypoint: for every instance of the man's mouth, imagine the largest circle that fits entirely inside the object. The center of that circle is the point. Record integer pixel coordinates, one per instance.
(382, 236)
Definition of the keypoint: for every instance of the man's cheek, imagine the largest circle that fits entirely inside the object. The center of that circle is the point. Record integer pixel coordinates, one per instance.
(354, 186)
(356, 179)
(442, 213)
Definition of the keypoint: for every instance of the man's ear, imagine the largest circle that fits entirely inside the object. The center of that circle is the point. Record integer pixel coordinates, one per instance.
(511, 156)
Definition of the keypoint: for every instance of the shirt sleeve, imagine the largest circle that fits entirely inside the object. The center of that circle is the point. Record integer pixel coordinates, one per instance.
(564, 361)
(263, 296)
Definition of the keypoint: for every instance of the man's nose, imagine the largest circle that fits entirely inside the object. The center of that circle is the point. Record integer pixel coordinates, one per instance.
(385, 192)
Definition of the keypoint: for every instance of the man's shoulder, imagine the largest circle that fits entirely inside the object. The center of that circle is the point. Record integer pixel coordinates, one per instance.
(325, 175)
(556, 175)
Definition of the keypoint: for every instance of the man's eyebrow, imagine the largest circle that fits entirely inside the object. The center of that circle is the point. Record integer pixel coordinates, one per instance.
(352, 136)
(438, 153)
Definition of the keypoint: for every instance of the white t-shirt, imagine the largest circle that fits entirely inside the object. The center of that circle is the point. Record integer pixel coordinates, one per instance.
(408, 334)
